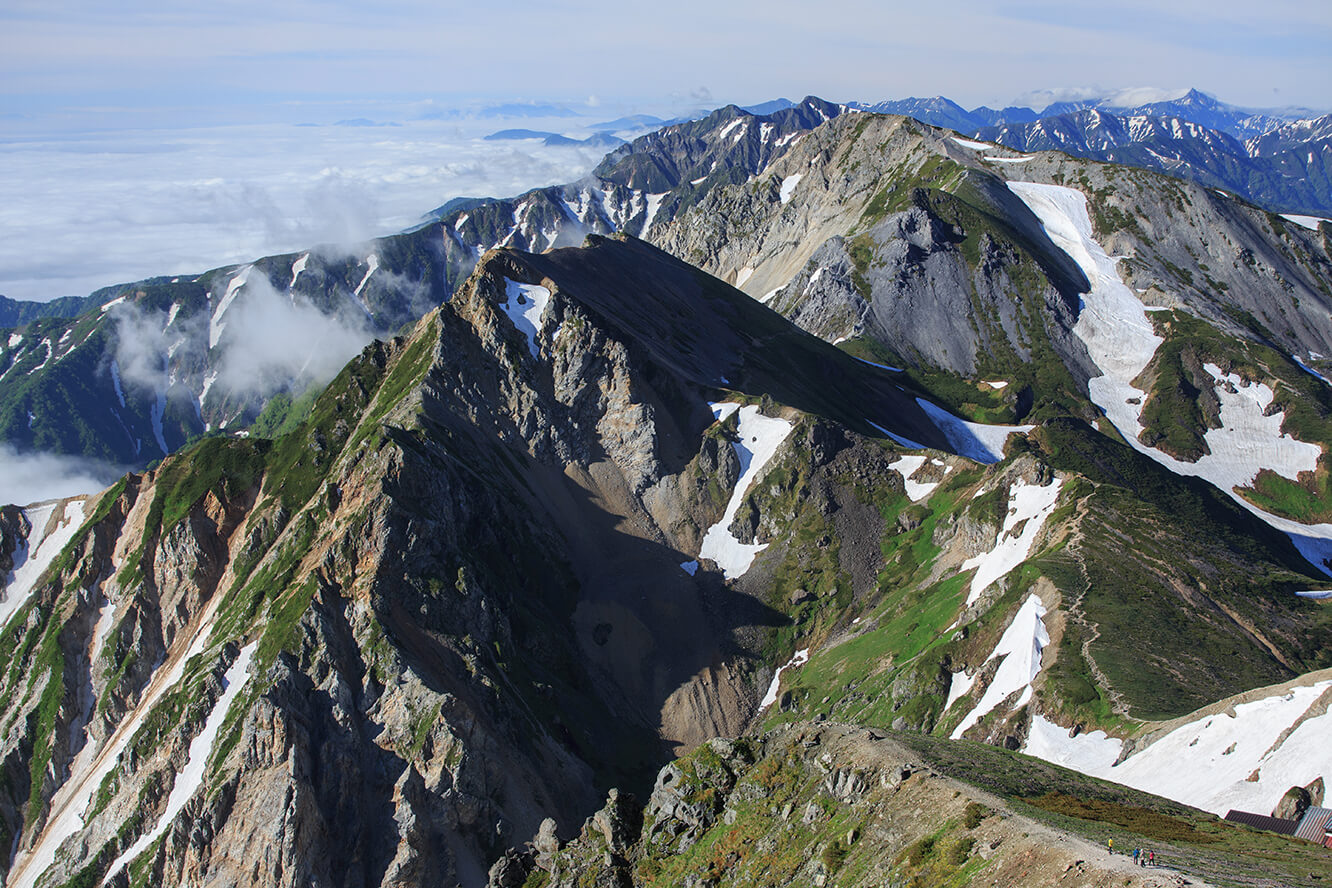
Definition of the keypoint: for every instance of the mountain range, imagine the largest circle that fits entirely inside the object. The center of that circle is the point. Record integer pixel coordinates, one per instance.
(811, 497)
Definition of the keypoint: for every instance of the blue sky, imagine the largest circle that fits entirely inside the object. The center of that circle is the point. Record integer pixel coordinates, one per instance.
(227, 59)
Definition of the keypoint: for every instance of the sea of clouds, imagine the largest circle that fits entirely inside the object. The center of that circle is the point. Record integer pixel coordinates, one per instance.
(88, 209)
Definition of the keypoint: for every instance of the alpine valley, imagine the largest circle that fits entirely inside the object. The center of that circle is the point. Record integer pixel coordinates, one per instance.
(812, 497)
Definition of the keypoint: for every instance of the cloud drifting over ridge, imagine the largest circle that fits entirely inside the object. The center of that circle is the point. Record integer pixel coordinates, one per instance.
(272, 339)
(27, 478)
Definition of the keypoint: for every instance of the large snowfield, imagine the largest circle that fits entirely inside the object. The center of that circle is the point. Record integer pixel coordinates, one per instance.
(1243, 758)
(1113, 324)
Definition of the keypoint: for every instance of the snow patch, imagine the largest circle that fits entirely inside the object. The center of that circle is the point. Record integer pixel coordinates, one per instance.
(905, 442)
(33, 557)
(759, 438)
(525, 304)
(743, 275)
(974, 440)
(296, 268)
(1028, 507)
(767, 297)
(799, 658)
(189, 780)
(997, 384)
(15, 339)
(729, 127)
(789, 186)
(1008, 159)
(974, 146)
(1020, 647)
(215, 323)
(1309, 222)
(906, 466)
(958, 687)
(653, 205)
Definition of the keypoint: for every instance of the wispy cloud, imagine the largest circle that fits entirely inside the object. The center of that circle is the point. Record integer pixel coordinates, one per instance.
(273, 340)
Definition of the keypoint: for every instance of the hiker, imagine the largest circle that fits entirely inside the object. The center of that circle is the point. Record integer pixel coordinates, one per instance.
(1151, 858)
(1135, 856)
(1110, 843)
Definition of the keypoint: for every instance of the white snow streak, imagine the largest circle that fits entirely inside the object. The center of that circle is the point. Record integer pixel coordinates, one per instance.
(653, 204)
(1028, 506)
(372, 261)
(730, 126)
(743, 275)
(115, 382)
(799, 658)
(1021, 647)
(974, 146)
(1311, 371)
(33, 557)
(760, 436)
(525, 304)
(880, 366)
(71, 801)
(215, 323)
(296, 268)
(188, 781)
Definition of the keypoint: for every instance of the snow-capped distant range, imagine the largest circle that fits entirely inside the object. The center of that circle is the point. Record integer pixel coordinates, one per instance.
(1113, 324)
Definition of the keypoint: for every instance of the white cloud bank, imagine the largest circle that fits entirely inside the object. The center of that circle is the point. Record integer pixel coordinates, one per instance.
(33, 477)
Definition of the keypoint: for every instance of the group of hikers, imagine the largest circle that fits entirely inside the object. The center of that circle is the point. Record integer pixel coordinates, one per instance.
(1141, 856)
